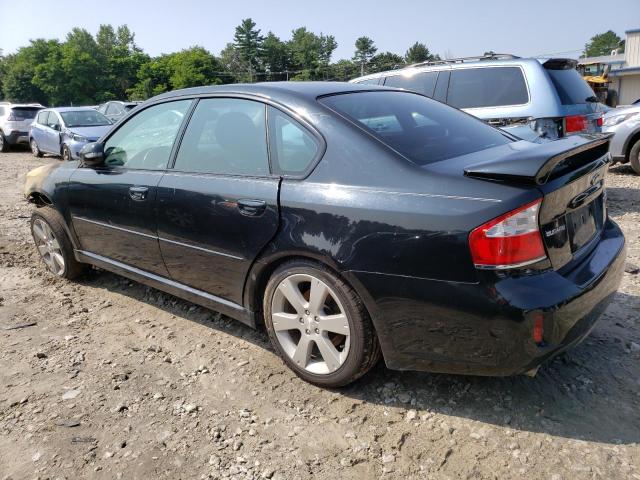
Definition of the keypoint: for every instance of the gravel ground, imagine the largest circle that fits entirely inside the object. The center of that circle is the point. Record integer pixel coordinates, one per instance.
(117, 380)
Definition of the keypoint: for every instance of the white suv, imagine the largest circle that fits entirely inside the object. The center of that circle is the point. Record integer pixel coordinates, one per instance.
(15, 120)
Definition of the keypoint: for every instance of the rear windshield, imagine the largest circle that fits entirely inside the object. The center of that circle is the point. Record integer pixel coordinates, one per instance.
(84, 118)
(423, 130)
(24, 113)
(487, 87)
(571, 87)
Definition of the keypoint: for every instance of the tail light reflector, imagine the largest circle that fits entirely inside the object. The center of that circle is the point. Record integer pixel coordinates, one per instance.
(575, 124)
(510, 240)
(538, 328)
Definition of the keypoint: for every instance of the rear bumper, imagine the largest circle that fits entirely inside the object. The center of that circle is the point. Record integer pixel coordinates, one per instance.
(486, 328)
(16, 137)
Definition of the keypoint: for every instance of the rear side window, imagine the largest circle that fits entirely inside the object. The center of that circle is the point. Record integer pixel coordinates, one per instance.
(42, 118)
(487, 87)
(571, 87)
(423, 130)
(113, 109)
(293, 148)
(369, 81)
(225, 136)
(422, 82)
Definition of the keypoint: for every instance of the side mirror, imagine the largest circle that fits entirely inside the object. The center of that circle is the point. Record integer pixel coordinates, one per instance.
(92, 154)
(56, 127)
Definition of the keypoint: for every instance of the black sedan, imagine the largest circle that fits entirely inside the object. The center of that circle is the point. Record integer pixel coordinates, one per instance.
(351, 222)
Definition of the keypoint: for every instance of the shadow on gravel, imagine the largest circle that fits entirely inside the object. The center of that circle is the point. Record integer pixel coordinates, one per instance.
(590, 393)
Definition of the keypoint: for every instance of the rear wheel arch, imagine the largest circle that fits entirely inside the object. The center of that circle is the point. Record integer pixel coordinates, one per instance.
(630, 143)
(263, 269)
(39, 199)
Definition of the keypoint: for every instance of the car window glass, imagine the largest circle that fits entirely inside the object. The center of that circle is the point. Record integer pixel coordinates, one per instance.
(571, 87)
(421, 82)
(226, 136)
(53, 120)
(113, 109)
(369, 81)
(146, 139)
(42, 118)
(293, 148)
(421, 129)
(487, 87)
(84, 118)
(1, 111)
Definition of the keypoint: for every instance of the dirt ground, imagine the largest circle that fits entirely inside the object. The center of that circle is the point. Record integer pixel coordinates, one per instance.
(117, 380)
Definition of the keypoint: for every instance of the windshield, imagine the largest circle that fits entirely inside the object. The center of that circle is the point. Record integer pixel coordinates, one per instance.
(421, 129)
(571, 87)
(84, 118)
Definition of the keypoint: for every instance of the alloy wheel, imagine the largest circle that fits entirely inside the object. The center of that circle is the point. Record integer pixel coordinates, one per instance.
(48, 246)
(66, 155)
(34, 148)
(310, 324)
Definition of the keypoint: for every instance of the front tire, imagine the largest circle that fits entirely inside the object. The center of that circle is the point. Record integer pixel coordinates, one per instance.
(34, 148)
(318, 325)
(66, 153)
(634, 157)
(53, 244)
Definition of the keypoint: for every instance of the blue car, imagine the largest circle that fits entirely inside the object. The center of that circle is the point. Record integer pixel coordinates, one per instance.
(64, 131)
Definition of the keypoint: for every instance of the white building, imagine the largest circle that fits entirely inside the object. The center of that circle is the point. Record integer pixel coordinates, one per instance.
(626, 79)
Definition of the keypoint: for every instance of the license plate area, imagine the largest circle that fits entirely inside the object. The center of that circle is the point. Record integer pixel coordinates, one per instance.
(583, 223)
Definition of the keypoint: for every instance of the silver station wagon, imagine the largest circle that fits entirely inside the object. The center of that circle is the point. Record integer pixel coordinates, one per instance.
(531, 98)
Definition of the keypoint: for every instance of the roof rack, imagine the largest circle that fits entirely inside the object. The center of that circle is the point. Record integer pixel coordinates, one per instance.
(491, 56)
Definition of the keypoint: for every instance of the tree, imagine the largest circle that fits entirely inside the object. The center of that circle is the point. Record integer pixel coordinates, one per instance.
(275, 57)
(602, 44)
(343, 70)
(365, 49)
(20, 70)
(309, 53)
(232, 63)
(248, 41)
(418, 52)
(193, 67)
(83, 63)
(385, 61)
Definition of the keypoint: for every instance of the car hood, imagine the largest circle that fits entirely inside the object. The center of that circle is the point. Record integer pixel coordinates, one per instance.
(614, 112)
(92, 133)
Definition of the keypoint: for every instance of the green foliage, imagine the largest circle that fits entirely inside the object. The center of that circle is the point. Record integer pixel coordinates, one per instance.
(87, 69)
(365, 50)
(603, 44)
(418, 52)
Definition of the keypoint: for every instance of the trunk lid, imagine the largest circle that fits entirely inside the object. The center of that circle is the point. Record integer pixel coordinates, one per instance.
(570, 174)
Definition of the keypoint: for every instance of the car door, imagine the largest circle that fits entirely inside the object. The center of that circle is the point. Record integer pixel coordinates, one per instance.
(218, 204)
(113, 205)
(51, 133)
(38, 127)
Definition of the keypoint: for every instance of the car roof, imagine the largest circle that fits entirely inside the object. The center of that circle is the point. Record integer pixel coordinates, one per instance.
(70, 109)
(444, 65)
(20, 105)
(276, 90)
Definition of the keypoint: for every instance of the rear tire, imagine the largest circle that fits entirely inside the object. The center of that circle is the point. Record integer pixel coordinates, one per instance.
(634, 157)
(4, 146)
(53, 244)
(34, 148)
(325, 334)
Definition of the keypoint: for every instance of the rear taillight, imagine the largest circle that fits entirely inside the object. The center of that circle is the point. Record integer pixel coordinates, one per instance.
(575, 124)
(599, 121)
(509, 241)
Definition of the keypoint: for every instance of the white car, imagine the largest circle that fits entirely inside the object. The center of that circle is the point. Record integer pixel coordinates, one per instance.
(15, 120)
(624, 123)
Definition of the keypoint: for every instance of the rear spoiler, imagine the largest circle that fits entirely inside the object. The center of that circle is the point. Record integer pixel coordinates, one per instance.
(534, 164)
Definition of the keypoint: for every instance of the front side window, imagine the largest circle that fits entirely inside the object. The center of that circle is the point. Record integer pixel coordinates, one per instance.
(225, 136)
(113, 109)
(421, 82)
(423, 130)
(293, 147)
(145, 140)
(487, 87)
(53, 121)
(84, 118)
(42, 117)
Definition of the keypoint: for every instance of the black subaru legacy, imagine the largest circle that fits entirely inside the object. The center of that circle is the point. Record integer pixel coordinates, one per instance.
(349, 221)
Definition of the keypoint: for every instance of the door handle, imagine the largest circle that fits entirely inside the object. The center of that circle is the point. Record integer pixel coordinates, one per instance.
(138, 193)
(251, 208)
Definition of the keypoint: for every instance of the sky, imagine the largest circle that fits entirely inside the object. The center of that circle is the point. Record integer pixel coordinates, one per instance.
(449, 28)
